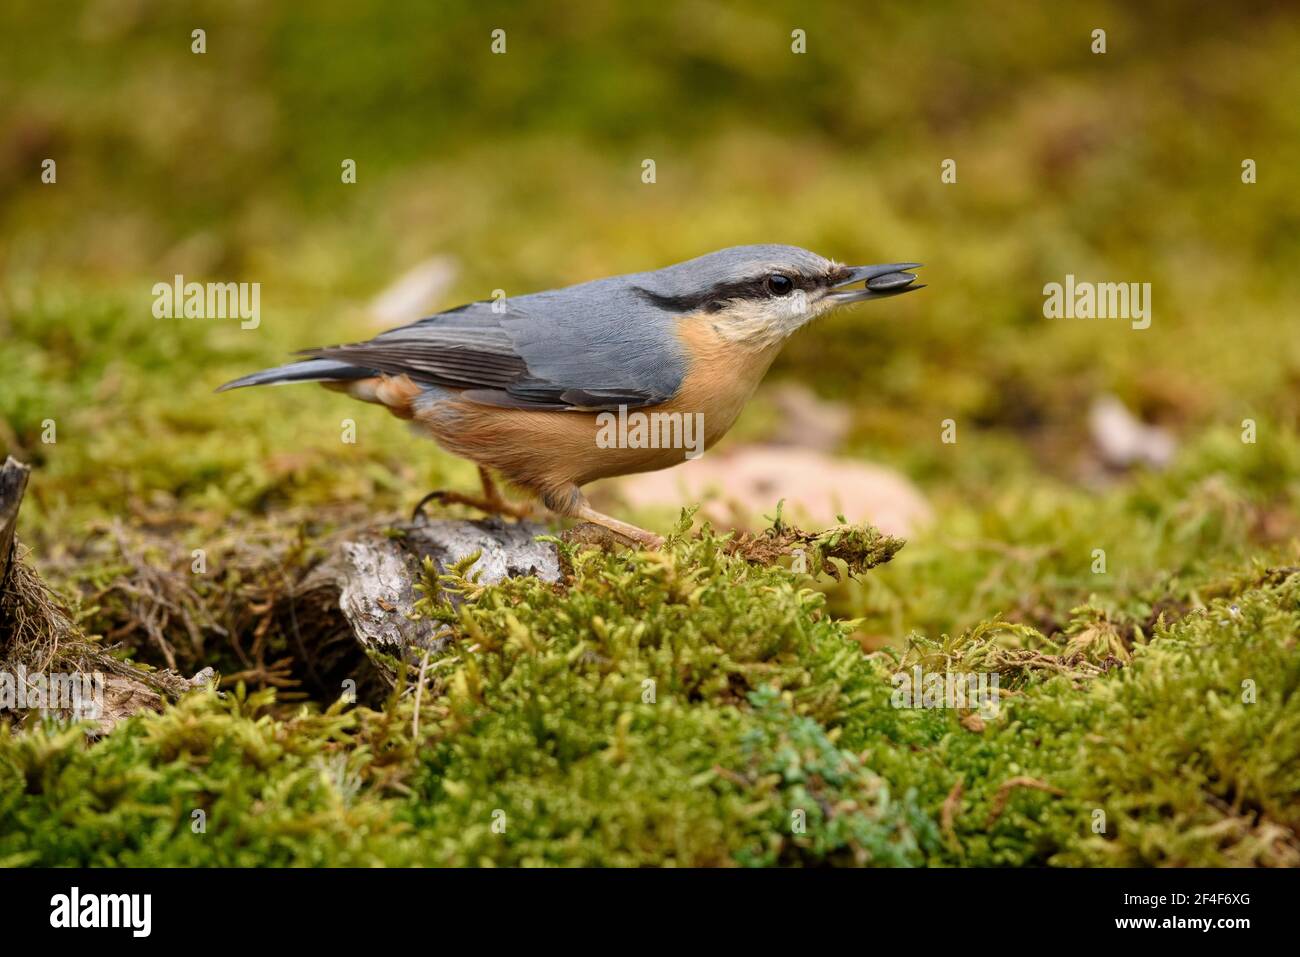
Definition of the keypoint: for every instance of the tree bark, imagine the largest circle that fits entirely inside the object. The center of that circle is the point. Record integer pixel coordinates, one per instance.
(376, 573)
(13, 483)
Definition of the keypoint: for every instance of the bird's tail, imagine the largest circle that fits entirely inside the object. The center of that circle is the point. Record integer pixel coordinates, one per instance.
(307, 370)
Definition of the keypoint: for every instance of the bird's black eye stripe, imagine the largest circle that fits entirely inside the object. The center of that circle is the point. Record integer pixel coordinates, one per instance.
(716, 298)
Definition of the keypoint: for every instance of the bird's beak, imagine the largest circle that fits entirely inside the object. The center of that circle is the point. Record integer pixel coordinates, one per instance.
(890, 279)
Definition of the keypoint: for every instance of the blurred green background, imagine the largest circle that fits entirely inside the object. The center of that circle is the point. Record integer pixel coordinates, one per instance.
(526, 168)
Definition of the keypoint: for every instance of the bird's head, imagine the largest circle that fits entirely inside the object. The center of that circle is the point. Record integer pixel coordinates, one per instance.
(762, 294)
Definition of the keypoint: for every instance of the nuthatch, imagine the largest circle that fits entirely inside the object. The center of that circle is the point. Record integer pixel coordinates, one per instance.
(525, 387)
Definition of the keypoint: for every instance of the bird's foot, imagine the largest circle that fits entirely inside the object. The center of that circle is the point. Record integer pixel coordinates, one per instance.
(645, 538)
(589, 533)
(607, 528)
(489, 505)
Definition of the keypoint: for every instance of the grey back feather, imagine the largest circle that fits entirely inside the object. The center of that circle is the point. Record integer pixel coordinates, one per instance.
(596, 345)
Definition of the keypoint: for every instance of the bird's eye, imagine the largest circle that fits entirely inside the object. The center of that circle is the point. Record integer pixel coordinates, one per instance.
(779, 285)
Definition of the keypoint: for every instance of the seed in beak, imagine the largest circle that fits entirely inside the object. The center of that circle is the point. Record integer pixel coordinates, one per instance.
(890, 281)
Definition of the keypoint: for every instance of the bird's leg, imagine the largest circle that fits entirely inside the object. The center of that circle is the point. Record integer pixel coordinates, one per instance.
(639, 535)
(491, 502)
(496, 501)
(569, 501)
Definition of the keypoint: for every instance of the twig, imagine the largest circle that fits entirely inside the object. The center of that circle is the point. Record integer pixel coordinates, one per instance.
(1004, 794)
(951, 805)
(419, 687)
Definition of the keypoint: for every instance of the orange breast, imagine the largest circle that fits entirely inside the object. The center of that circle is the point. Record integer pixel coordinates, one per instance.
(552, 450)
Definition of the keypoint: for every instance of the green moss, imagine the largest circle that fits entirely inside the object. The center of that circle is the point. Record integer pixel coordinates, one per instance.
(659, 709)
(269, 792)
(1188, 763)
(694, 708)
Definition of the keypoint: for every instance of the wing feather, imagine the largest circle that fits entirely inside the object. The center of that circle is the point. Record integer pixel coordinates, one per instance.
(582, 348)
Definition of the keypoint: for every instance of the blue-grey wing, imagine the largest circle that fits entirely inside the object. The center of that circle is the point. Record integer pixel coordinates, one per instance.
(595, 346)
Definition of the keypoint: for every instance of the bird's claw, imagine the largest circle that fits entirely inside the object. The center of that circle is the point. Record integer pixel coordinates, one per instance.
(486, 505)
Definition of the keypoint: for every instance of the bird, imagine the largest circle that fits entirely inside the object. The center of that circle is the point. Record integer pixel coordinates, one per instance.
(527, 387)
